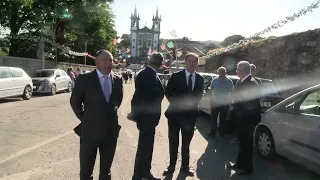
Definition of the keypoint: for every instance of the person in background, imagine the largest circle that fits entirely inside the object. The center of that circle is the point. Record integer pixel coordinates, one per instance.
(146, 112)
(78, 72)
(247, 110)
(130, 77)
(253, 73)
(184, 91)
(95, 101)
(72, 76)
(221, 97)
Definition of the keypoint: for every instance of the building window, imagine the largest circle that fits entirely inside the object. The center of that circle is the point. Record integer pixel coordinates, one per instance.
(140, 42)
(155, 41)
(149, 42)
(133, 40)
(133, 47)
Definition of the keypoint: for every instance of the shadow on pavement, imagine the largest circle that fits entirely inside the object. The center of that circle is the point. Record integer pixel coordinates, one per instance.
(219, 152)
(181, 176)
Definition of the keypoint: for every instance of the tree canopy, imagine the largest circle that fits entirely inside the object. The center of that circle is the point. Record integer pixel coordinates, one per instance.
(92, 21)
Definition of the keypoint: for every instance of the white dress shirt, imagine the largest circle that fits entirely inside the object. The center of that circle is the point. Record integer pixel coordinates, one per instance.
(102, 80)
(244, 78)
(193, 77)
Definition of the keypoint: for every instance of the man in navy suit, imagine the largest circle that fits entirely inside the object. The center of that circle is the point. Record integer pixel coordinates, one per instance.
(146, 112)
(184, 91)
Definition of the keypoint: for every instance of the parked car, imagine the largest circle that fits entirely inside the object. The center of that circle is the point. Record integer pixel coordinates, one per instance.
(292, 129)
(51, 81)
(15, 82)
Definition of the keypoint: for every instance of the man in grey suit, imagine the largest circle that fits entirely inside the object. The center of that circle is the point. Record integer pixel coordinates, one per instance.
(95, 101)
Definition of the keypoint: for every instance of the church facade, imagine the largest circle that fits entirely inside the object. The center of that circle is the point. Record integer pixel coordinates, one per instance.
(144, 38)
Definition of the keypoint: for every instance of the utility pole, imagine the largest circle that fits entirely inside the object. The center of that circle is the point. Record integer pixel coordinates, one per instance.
(85, 50)
(41, 54)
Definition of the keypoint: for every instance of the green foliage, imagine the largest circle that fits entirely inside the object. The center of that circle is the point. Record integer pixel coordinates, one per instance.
(34, 16)
(231, 40)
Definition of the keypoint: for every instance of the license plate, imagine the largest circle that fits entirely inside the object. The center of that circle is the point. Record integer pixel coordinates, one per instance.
(265, 104)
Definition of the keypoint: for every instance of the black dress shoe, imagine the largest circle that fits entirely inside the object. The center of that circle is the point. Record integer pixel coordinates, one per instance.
(187, 170)
(244, 172)
(169, 170)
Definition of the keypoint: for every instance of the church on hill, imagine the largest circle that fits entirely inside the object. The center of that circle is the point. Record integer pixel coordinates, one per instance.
(144, 38)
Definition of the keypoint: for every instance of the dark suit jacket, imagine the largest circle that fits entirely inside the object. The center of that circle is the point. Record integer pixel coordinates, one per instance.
(177, 94)
(147, 98)
(247, 103)
(91, 108)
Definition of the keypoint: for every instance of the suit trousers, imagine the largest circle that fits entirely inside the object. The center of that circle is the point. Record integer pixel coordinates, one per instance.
(245, 150)
(88, 152)
(144, 153)
(187, 127)
(222, 111)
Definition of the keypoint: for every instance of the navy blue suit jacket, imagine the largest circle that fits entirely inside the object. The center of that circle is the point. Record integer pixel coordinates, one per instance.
(147, 98)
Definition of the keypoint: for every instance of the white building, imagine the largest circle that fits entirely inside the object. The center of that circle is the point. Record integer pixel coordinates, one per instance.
(144, 38)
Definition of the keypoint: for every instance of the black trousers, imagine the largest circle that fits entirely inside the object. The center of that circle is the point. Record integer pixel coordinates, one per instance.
(144, 153)
(223, 110)
(187, 128)
(245, 150)
(88, 152)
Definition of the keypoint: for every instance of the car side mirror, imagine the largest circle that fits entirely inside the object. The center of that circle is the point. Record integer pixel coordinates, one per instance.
(292, 109)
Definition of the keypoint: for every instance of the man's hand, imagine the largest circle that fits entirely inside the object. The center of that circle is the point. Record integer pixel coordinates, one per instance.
(129, 116)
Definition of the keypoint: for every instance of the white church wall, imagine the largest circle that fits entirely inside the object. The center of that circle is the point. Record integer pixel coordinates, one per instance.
(155, 42)
(133, 44)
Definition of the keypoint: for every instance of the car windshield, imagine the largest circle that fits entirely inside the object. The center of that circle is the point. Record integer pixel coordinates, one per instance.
(46, 73)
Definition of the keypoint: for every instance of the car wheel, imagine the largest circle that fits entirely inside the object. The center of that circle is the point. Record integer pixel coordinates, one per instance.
(265, 144)
(53, 89)
(69, 87)
(27, 93)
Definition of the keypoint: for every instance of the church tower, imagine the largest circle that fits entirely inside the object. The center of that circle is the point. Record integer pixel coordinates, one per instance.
(156, 30)
(134, 32)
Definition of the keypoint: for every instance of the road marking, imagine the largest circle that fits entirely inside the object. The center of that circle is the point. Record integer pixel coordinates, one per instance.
(43, 143)
(36, 146)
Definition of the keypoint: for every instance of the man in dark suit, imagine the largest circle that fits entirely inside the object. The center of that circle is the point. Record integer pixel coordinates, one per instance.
(95, 101)
(146, 112)
(247, 111)
(184, 91)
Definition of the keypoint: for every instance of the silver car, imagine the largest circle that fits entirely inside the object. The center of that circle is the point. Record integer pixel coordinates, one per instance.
(51, 81)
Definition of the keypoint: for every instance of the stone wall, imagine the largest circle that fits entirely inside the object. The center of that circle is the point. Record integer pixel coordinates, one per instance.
(291, 59)
(32, 65)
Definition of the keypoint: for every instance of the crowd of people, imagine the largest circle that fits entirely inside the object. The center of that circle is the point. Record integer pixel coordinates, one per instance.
(99, 120)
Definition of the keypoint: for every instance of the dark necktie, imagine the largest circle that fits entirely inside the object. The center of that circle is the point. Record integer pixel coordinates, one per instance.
(190, 83)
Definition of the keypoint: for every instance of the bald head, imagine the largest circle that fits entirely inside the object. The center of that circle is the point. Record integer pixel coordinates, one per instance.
(103, 61)
(222, 71)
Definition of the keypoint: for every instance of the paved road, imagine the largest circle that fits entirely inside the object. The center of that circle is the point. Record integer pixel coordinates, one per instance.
(37, 142)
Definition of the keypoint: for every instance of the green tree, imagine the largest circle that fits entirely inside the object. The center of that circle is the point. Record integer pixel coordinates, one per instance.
(93, 24)
(32, 15)
(126, 41)
(231, 40)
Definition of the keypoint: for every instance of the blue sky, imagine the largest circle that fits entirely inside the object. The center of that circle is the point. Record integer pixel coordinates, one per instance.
(216, 19)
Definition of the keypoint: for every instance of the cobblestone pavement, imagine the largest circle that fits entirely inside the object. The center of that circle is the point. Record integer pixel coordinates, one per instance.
(37, 143)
